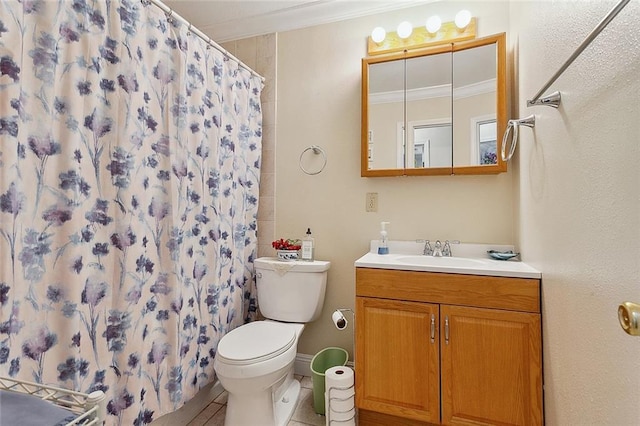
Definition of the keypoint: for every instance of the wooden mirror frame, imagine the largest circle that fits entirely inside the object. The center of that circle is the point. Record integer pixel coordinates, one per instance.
(501, 109)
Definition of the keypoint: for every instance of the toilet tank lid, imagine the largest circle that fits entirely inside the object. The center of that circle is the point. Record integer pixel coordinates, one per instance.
(274, 264)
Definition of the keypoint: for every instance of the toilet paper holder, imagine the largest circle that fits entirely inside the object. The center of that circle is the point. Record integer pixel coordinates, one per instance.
(340, 321)
(338, 318)
(335, 398)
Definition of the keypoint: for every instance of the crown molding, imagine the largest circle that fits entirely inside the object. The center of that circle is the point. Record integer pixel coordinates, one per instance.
(441, 91)
(293, 17)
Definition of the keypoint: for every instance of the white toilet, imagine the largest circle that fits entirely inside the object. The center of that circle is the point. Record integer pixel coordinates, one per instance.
(254, 362)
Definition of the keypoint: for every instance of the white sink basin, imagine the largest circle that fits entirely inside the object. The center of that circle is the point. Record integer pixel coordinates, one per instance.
(457, 262)
(468, 259)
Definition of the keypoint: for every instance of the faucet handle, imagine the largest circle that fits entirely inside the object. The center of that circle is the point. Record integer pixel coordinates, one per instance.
(427, 251)
(446, 250)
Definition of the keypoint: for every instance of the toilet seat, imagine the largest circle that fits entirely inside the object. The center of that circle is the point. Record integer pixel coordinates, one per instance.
(256, 342)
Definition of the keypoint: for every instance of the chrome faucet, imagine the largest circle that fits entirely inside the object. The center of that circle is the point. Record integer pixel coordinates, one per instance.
(437, 249)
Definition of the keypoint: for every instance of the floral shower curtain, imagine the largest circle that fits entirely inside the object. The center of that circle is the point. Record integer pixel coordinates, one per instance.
(129, 172)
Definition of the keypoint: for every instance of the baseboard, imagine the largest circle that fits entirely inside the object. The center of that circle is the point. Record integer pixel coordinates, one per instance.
(190, 410)
(217, 388)
(302, 364)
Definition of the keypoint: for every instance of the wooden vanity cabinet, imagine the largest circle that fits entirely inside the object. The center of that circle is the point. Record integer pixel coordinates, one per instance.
(397, 362)
(434, 348)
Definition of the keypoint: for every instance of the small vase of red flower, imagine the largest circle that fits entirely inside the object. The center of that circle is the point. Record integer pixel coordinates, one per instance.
(288, 249)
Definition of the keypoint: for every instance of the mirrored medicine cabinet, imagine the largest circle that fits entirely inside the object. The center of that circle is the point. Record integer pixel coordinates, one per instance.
(435, 111)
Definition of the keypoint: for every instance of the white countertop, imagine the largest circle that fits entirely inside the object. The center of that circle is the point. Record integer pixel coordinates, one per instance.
(469, 259)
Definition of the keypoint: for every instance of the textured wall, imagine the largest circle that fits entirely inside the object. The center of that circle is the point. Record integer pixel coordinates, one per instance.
(579, 202)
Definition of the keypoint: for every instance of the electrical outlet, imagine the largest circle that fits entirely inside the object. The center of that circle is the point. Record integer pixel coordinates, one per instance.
(372, 202)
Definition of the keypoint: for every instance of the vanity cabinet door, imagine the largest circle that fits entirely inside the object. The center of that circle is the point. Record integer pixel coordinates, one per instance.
(397, 358)
(491, 367)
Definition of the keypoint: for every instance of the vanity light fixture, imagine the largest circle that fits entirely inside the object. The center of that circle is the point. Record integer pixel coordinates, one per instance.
(463, 18)
(433, 24)
(378, 34)
(404, 29)
(434, 32)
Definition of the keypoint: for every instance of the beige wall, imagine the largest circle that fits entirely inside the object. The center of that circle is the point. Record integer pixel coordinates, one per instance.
(318, 103)
(579, 203)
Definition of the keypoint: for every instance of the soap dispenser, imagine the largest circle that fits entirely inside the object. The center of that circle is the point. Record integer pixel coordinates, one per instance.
(308, 246)
(383, 245)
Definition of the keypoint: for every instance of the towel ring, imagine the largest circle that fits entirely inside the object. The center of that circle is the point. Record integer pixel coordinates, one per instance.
(514, 125)
(316, 150)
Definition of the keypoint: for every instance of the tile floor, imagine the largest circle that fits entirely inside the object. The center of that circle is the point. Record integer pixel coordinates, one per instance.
(213, 414)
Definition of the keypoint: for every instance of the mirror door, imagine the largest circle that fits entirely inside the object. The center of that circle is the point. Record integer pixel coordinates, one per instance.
(404, 94)
(386, 109)
(429, 134)
(477, 107)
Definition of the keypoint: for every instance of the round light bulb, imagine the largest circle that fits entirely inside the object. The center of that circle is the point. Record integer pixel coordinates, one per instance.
(404, 29)
(378, 34)
(463, 18)
(433, 24)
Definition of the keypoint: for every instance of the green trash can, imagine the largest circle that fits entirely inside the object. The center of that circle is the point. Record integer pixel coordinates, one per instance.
(321, 362)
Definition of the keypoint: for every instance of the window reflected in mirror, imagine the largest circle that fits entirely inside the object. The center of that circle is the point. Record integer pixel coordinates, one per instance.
(487, 142)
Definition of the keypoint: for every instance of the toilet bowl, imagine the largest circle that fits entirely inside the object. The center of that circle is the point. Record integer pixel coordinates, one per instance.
(254, 362)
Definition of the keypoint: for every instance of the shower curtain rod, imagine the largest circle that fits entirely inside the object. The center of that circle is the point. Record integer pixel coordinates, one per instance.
(173, 15)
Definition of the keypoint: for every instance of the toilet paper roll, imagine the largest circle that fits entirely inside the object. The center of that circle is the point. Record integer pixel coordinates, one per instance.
(347, 418)
(334, 418)
(342, 393)
(341, 405)
(340, 377)
(339, 320)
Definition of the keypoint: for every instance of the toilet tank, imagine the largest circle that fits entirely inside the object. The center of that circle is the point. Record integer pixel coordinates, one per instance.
(291, 291)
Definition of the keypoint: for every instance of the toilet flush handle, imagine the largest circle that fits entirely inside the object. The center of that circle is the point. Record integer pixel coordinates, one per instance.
(259, 275)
